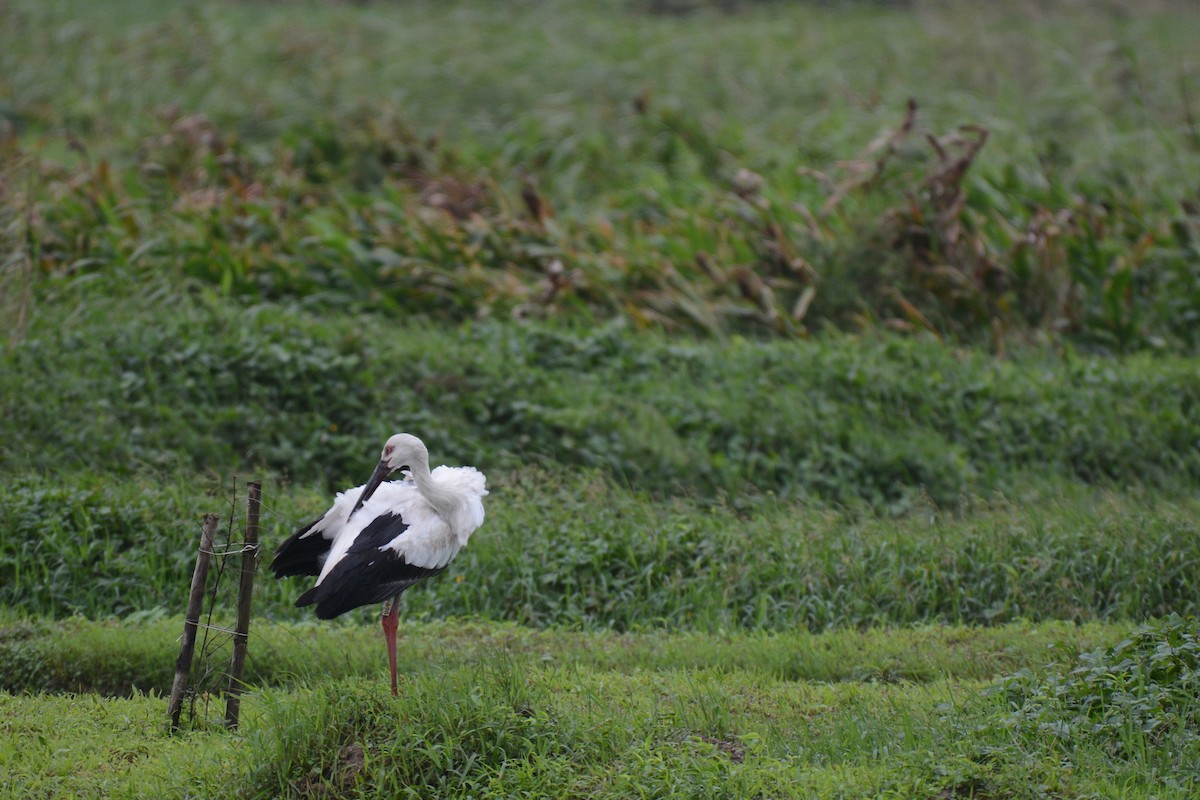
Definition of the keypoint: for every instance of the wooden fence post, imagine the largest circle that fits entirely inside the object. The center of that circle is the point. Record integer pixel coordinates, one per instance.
(233, 695)
(192, 619)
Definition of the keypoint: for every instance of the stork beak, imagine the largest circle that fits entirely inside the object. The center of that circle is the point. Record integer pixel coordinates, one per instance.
(382, 470)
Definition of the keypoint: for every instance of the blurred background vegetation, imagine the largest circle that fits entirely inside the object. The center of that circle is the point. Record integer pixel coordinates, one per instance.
(986, 173)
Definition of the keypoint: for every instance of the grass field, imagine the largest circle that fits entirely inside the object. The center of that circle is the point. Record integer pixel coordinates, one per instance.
(833, 367)
(492, 709)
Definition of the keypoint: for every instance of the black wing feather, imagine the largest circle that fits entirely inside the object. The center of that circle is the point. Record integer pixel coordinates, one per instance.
(300, 554)
(366, 574)
(378, 532)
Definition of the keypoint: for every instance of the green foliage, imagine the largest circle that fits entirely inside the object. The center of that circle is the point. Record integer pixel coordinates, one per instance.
(713, 570)
(800, 472)
(581, 553)
(184, 390)
(71, 546)
(841, 419)
(251, 240)
(672, 178)
(1139, 693)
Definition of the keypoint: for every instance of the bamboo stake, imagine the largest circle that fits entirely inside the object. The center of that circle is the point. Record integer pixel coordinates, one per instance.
(192, 620)
(233, 696)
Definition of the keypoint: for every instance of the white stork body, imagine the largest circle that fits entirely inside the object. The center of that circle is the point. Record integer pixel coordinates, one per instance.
(378, 539)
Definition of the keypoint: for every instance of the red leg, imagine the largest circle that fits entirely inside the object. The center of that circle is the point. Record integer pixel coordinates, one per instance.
(391, 621)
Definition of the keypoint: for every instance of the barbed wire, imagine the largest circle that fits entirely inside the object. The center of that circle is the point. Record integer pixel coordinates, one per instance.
(209, 666)
(212, 659)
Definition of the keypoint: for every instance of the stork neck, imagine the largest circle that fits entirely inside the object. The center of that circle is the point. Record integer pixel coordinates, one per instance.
(444, 502)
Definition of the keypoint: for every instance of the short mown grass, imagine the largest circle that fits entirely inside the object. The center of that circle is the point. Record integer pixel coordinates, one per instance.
(513, 723)
(121, 658)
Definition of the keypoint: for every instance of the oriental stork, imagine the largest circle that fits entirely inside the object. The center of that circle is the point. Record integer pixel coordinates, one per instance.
(378, 539)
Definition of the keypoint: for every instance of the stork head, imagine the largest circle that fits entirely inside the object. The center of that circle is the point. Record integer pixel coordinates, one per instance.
(401, 450)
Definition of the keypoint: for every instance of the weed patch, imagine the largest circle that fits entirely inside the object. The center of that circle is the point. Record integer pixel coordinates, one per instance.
(1137, 693)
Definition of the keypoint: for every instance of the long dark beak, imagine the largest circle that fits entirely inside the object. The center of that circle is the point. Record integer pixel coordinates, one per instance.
(382, 470)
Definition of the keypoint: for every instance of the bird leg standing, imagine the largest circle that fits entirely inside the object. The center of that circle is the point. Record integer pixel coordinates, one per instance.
(391, 621)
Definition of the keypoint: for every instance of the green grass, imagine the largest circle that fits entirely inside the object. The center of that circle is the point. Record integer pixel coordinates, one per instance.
(584, 554)
(839, 445)
(202, 385)
(515, 724)
(637, 481)
(121, 658)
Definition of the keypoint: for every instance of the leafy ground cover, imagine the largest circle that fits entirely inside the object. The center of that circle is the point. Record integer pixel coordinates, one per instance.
(195, 385)
(636, 481)
(584, 554)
